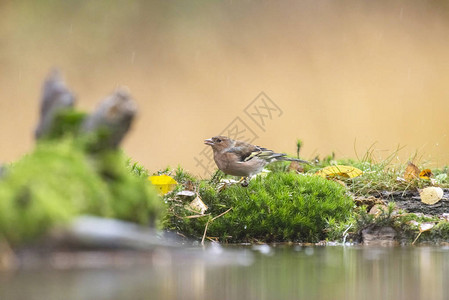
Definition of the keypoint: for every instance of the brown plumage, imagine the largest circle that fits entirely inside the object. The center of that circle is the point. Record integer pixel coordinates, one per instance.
(242, 159)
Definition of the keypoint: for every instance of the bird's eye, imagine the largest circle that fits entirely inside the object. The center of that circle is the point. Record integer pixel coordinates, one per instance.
(218, 141)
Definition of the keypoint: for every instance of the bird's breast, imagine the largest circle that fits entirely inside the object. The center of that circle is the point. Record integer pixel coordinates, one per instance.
(230, 164)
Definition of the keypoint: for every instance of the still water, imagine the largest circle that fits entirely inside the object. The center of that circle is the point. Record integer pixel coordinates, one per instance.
(281, 272)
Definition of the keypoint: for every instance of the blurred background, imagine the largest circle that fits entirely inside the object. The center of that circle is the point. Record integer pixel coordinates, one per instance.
(344, 75)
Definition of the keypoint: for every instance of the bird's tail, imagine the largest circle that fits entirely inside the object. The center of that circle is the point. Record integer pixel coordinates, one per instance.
(271, 156)
(293, 159)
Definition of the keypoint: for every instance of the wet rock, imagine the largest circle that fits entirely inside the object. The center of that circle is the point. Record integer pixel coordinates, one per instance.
(103, 233)
(379, 236)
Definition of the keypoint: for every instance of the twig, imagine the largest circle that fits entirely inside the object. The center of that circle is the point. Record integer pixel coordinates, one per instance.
(419, 234)
(180, 234)
(223, 213)
(189, 217)
(195, 216)
(345, 234)
(204, 234)
(207, 224)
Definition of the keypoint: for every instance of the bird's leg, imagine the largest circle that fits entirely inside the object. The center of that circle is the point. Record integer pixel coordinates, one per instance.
(244, 181)
(224, 184)
(222, 187)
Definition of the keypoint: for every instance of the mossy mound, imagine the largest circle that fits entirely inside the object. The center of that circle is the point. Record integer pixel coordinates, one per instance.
(58, 181)
(280, 207)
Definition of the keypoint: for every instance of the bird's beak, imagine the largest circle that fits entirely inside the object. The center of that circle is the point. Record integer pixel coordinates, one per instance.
(209, 142)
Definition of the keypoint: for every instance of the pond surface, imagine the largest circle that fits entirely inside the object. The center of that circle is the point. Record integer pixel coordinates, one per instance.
(262, 272)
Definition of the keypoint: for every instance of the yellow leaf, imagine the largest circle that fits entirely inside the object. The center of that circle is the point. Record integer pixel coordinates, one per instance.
(411, 172)
(431, 195)
(422, 228)
(163, 183)
(339, 170)
(425, 174)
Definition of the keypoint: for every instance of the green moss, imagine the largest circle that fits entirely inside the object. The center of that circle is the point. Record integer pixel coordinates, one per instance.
(410, 230)
(183, 177)
(438, 233)
(66, 122)
(134, 199)
(58, 181)
(279, 207)
(339, 231)
(137, 169)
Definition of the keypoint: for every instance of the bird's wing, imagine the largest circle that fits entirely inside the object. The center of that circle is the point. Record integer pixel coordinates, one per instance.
(268, 155)
(246, 151)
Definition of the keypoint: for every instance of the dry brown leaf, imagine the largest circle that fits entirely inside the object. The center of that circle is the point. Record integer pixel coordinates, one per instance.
(189, 185)
(431, 195)
(411, 172)
(295, 167)
(377, 209)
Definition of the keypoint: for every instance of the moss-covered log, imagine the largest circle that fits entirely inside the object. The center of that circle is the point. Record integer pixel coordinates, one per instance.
(63, 178)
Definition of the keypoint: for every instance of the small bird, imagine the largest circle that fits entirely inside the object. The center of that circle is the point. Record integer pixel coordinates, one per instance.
(239, 158)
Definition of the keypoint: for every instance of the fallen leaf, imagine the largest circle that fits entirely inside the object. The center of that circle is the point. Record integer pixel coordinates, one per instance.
(426, 226)
(163, 183)
(295, 167)
(413, 222)
(411, 172)
(431, 195)
(339, 170)
(198, 205)
(368, 201)
(423, 227)
(425, 174)
(445, 216)
(377, 209)
(186, 193)
(400, 179)
(189, 185)
(262, 173)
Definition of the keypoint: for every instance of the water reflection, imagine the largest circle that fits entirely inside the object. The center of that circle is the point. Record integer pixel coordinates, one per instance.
(246, 273)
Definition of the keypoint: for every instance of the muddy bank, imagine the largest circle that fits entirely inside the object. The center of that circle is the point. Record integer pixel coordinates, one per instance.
(411, 202)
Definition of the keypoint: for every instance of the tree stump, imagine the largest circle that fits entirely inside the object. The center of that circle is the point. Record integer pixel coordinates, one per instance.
(111, 121)
(55, 98)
